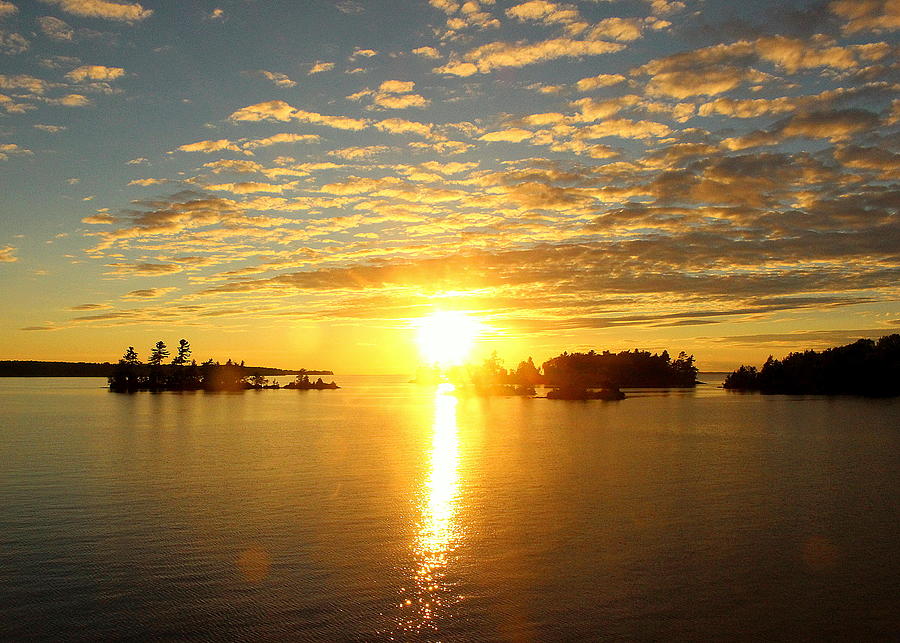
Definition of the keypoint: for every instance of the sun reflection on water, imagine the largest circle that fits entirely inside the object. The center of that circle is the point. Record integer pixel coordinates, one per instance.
(438, 529)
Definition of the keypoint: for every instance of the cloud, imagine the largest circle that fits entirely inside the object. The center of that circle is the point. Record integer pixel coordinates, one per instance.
(70, 100)
(210, 146)
(56, 29)
(356, 153)
(7, 9)
(393, 94)
(720, 68)
(148, 182)
(403, 101)
(240, 166)
(12, 149)
(546, 12)
(21, 81)
(870, 158)
(403, 126)
(148, 293)
(625, 128)
(279, 110)
(125, 12)
(362, 53)
(12, 43)
(282, 138)
(216, 14)
(337, 122)
(252, 187)
(623, 29)
(8, 254)
(276, 110)
(52, 129)
(601, 80)
(12, 107)
(102, 218)
(665, 7)
(360, 185)
(835, 125)
(95, 72)
(749, 107)
(427, 52)
(498, 55)
(867, 15)
(319, 67)
(82, 307)
(511, 135)
(145, 269)
(805, 339)
(701, 81)
(281, 80)
(396, 86)
(793, 54)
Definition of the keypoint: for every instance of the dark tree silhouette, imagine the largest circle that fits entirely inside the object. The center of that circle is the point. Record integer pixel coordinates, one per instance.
(184, 352)
(625, 369)
(864, 367)
(130, 357)
(158, 354)
(183, 374)
(127, 375)
(527, 373)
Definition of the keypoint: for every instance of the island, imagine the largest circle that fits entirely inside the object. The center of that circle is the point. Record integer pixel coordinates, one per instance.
(185, 374)
(865, 367)
(571, 376)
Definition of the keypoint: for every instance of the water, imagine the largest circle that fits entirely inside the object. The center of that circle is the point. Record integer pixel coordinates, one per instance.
(387, 511)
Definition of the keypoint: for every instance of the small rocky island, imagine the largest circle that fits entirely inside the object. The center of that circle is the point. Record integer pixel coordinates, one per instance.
(865, 367)
(185, 374)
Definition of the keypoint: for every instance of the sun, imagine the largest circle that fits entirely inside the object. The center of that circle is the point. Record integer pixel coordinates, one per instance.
(447, 337)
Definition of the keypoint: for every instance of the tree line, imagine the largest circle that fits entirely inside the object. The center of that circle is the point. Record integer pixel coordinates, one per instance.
(183, 373)
(865, 367)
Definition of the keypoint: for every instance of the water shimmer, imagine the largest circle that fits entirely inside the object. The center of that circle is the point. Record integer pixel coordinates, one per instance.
(388, 511)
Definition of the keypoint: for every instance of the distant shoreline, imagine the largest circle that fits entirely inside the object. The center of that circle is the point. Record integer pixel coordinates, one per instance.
(37, 368)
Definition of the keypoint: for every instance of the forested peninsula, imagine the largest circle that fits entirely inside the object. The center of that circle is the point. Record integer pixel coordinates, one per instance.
(865, 367)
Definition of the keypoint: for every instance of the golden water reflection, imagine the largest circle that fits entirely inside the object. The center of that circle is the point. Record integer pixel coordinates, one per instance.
(438, 528)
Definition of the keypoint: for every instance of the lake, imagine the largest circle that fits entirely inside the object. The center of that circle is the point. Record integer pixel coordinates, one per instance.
(388, 511)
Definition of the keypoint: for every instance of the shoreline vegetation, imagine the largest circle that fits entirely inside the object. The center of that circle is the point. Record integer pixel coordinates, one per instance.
(570, 376)
(185, 374)
(865, 367)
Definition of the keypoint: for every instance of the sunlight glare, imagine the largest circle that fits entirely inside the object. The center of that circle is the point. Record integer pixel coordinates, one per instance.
(438, 530)
(447, 337)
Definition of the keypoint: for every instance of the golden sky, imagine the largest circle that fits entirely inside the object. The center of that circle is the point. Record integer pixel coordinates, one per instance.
(296, 184)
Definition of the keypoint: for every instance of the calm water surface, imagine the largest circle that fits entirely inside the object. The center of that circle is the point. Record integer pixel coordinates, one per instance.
(388, 511)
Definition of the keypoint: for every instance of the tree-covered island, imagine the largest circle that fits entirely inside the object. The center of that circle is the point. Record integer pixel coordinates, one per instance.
(865, 367)
(184, 374)
(572, 376)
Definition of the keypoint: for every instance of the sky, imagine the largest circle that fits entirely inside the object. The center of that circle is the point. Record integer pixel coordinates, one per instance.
(295, 184)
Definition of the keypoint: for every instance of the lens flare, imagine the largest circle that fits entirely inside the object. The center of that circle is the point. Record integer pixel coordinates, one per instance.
(446, 338)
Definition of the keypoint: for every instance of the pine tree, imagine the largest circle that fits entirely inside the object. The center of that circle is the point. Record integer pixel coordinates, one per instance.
(158, 354)
(184, 352)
